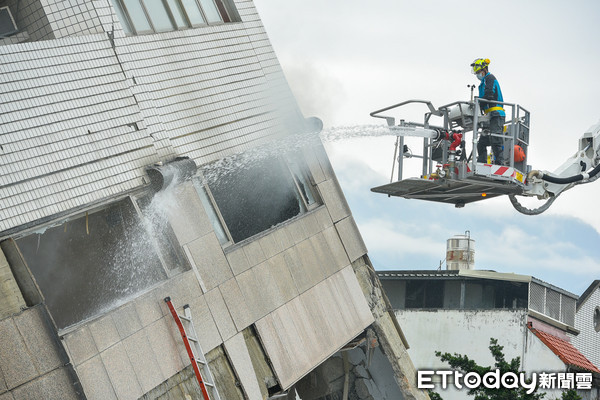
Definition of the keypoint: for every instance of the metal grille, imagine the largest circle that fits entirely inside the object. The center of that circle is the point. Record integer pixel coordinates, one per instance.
(537, 295)
(567, 310)
(552, 304)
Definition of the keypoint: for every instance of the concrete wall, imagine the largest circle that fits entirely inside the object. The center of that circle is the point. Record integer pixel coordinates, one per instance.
(292, 281)
(469, 333)
(33, 364)
(588, 340)
(11, 299)
(464, 332)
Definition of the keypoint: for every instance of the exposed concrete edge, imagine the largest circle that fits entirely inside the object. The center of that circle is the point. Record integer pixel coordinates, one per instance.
(391, 338)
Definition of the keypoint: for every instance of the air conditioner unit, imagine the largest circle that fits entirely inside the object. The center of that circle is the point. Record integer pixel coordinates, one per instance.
(7, 23)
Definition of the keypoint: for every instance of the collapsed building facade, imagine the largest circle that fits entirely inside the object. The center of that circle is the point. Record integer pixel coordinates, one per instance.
(153, 149)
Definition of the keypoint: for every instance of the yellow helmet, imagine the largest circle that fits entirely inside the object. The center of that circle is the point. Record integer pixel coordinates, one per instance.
(479, 64)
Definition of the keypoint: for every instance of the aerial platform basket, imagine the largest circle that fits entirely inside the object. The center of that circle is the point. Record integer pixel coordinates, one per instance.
(449, 173)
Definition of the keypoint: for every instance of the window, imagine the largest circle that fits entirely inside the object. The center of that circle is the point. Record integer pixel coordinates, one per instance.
(152, 16)
(424, 294)
(247, 200)
(597, 319)
(99, 260)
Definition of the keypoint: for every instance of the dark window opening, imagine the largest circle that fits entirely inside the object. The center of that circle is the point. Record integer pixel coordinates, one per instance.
(257, 197)
(95, 262)
(424, 294)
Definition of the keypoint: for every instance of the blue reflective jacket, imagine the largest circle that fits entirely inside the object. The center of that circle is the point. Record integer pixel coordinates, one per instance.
(489, 89)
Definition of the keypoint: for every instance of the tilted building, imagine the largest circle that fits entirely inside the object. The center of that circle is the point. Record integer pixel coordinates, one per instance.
(153, 149)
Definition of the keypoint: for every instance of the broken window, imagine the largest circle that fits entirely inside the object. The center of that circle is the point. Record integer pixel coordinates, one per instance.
(97, 261)
(256, 197)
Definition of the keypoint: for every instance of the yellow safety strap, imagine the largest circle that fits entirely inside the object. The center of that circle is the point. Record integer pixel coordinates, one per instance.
(489, 110)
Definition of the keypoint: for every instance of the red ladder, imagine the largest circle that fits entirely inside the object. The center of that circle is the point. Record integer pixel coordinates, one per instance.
(198, 360)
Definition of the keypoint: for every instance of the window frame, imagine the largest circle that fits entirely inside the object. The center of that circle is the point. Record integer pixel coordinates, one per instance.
(221, 8)
(200, 183)
(172, 239)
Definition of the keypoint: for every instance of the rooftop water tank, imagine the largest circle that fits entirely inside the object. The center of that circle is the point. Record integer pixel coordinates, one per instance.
(460, 252)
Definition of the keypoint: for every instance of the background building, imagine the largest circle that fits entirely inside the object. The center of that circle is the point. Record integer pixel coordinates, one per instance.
(459, 311)
(152, 149)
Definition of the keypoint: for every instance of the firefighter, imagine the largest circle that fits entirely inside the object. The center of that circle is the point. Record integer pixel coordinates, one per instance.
(489, 89)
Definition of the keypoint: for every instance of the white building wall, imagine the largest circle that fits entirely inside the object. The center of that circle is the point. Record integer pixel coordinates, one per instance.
(588, 340)
(469, 333)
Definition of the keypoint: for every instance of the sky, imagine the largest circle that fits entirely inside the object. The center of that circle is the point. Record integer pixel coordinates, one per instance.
(344, 59)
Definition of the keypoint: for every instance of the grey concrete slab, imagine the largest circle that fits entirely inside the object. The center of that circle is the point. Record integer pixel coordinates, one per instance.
(144, 362)
(301, 279)
(340, 291)
(269, 245)
(307, 329)
(40, 340)
(356, 295)
(210, 261)
(3, 386)
(11, 299)
(187, 216)
(238, 260)
(268, 281)
(220, 313)
(334, 200)
(7, 396)
(206, 328)
(242, 364)
(351, 239)
(292, 340)
(332, 307)
(254, 253)
(126, 320)
(310, 261)
(319, 320)
(80, 345)
(54, 385)
(326, 262)
(236, 304)
(164, 346)
(323, 218)
(282, 238)
(295, 231)
(252, 290)
(282, 363)
(121, 373)
(94, 380)
(310, 224)
(283, 277)
(148, 307)
(182, 289)
(15, 362)
(104, 332)
(338, 252)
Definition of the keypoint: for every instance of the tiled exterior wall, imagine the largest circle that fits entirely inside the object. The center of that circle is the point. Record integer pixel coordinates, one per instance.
(80, 119)
(31, 18)
(588, 340)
